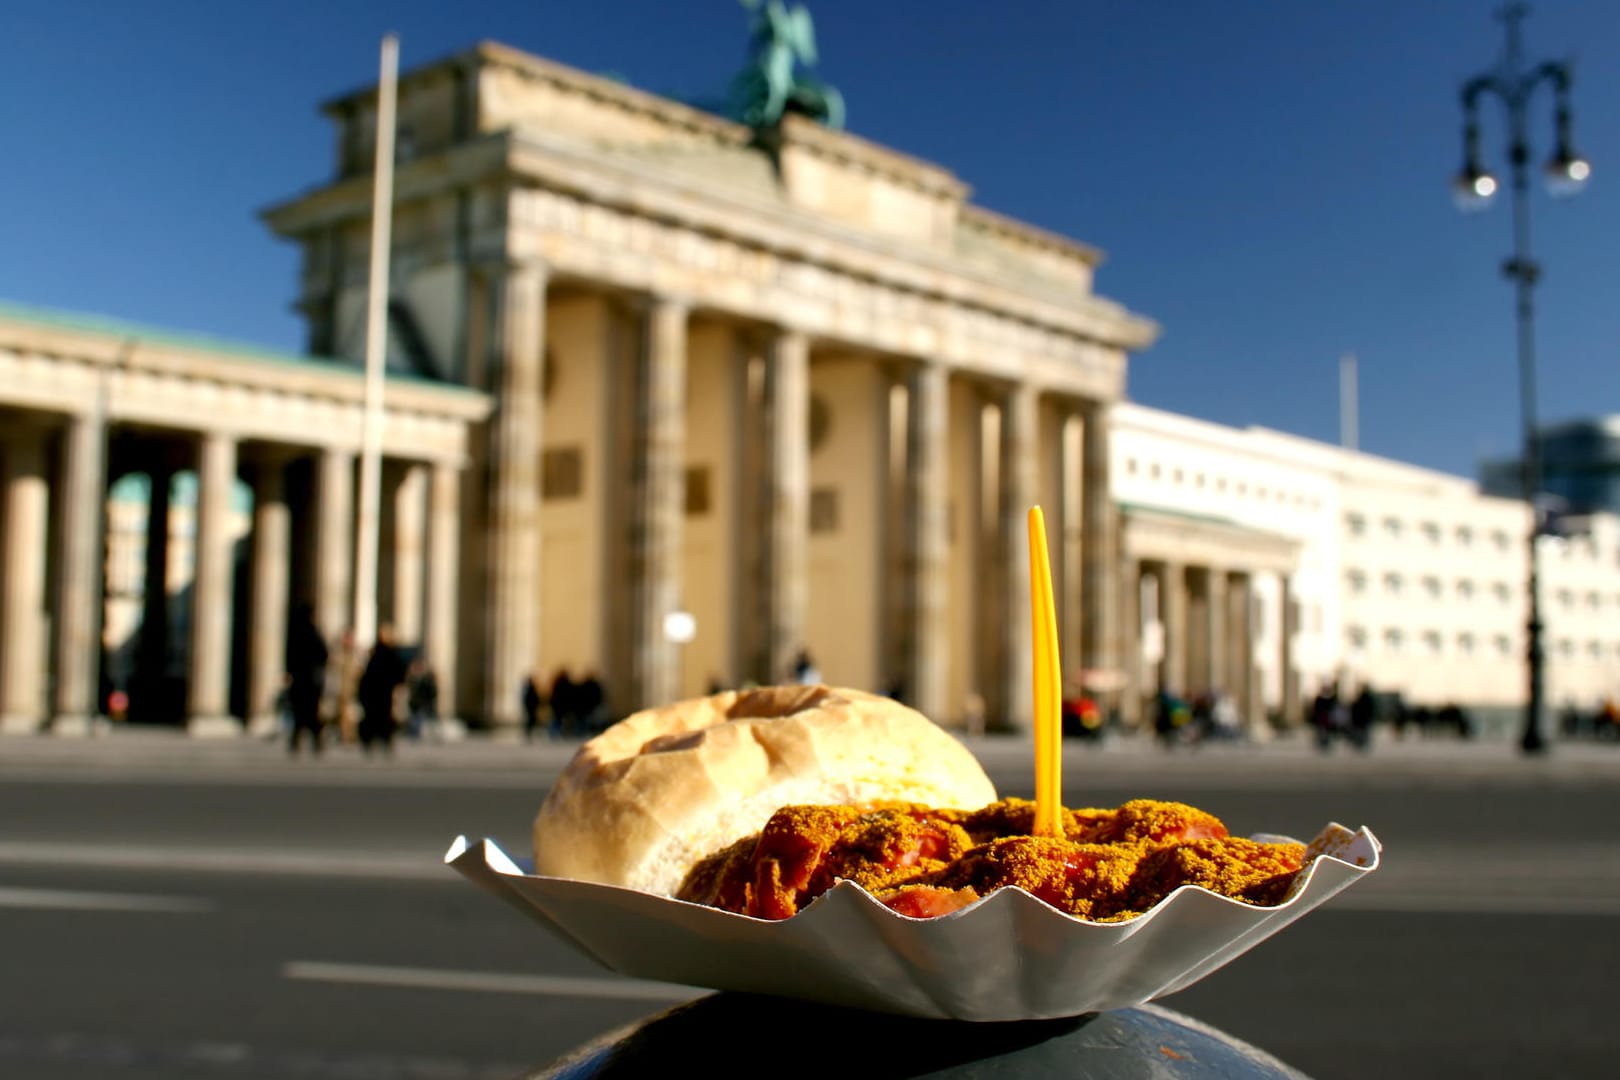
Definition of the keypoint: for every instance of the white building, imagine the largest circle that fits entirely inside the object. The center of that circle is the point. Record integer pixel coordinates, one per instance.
(1402, 577)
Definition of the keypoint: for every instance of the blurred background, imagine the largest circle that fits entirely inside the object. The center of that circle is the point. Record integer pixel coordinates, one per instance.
(714, 344)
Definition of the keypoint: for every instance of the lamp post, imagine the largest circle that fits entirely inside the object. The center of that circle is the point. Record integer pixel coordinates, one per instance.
(1513, 83)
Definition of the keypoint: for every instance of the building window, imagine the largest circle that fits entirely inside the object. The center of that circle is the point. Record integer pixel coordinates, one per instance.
(1566, 648)
(1594, 649)
(1130, 466)
(1242, 487)
(1465, 536)
(1392, 528)
(824, 510)
(1394, 639)
(1393, 583)
(698, 499)
(1153, 471)
(1465, 590)
(1431, 532)
(1431, 587)
(1566, 599)
(562, 472)
(1356, 637)
(1500, 539)
(1431, 642)
(1502, 591)
(1176, 477)
(1356, 524)
(1198, 480)
(1220, 483)
(1357, 580)
(1503, 645)
(1465, 644)
(1594, 600)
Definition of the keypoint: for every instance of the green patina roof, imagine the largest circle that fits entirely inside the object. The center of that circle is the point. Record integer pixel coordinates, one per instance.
(1185, 515)
(157, 335)
(137, 488)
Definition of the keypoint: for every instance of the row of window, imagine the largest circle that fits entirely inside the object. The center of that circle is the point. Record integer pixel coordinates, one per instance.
(1395, 583)
(1394, 528)
(1396, 640)
(1218, 482)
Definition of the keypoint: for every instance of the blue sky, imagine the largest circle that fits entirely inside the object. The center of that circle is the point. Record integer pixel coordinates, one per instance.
(1269, 180)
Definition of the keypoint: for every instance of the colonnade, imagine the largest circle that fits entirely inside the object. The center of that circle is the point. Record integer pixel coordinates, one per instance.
(1051, 445)
(55, 474)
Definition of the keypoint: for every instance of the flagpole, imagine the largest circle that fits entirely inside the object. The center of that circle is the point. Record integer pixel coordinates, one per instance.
(1349, 407)
(382, 214)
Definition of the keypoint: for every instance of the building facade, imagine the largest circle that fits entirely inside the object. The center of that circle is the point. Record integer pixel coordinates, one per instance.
(789, 383)
(87, 403)
(1398, 577)
(1580, 467)
(677, 400)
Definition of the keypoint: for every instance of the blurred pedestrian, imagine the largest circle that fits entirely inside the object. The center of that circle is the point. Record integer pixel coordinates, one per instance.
(1363, 711)
(805, 672)
(421, 698)
(379, 683)
(306, 679)
(529, 696)
(591, 704)
(1326, 718)
(564, 702)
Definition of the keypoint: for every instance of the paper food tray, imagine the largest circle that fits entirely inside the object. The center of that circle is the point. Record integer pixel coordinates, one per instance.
(1008, 956)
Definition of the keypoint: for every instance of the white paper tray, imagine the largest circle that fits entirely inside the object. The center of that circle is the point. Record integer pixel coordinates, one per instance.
(1008, 956)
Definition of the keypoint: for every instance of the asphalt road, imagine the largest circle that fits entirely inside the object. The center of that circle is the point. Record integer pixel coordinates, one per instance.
(218, 924)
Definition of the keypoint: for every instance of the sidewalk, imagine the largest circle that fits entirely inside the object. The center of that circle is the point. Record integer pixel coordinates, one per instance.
(506, 759)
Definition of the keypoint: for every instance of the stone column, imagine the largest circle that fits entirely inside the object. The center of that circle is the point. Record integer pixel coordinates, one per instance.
(513, 582)
(1199, 675)
(334, 542)
(927, 551)
(149, 698)
(22, 587)
(410, 550)
(1217, 629)
(785, 501)
(208, 707)
(1101, 636)
(657, 539)
(1242, 652)
(1173, 614)
(267, 635)
(1286, 625)
(1070, 548)
(1130, 653)
(78, 622)
(1018, 417)
(444, 554)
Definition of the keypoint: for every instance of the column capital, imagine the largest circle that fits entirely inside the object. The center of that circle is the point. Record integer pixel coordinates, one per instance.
(663, 301)
(505, 263)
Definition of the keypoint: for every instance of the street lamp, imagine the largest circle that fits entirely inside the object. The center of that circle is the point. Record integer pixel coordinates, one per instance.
(1513, 82)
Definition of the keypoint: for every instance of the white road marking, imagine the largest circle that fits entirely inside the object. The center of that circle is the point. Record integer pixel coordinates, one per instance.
(71, 900)
(490, 982)
(427, 867)
(1473, 903)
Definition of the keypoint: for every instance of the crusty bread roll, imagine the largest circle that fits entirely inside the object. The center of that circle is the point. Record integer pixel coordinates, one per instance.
(646, 799)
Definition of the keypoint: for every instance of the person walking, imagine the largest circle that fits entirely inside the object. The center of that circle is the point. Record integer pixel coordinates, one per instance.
(531, 706)
(422, 698)
(306, 680)
(805, 672)
(564, 702)
(591, 704)
(383, 676)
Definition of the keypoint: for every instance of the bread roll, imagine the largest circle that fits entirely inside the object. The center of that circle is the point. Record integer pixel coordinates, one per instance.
(643, 801)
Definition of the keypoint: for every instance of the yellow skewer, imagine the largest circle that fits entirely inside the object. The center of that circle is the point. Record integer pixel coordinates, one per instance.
(1048, 684)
